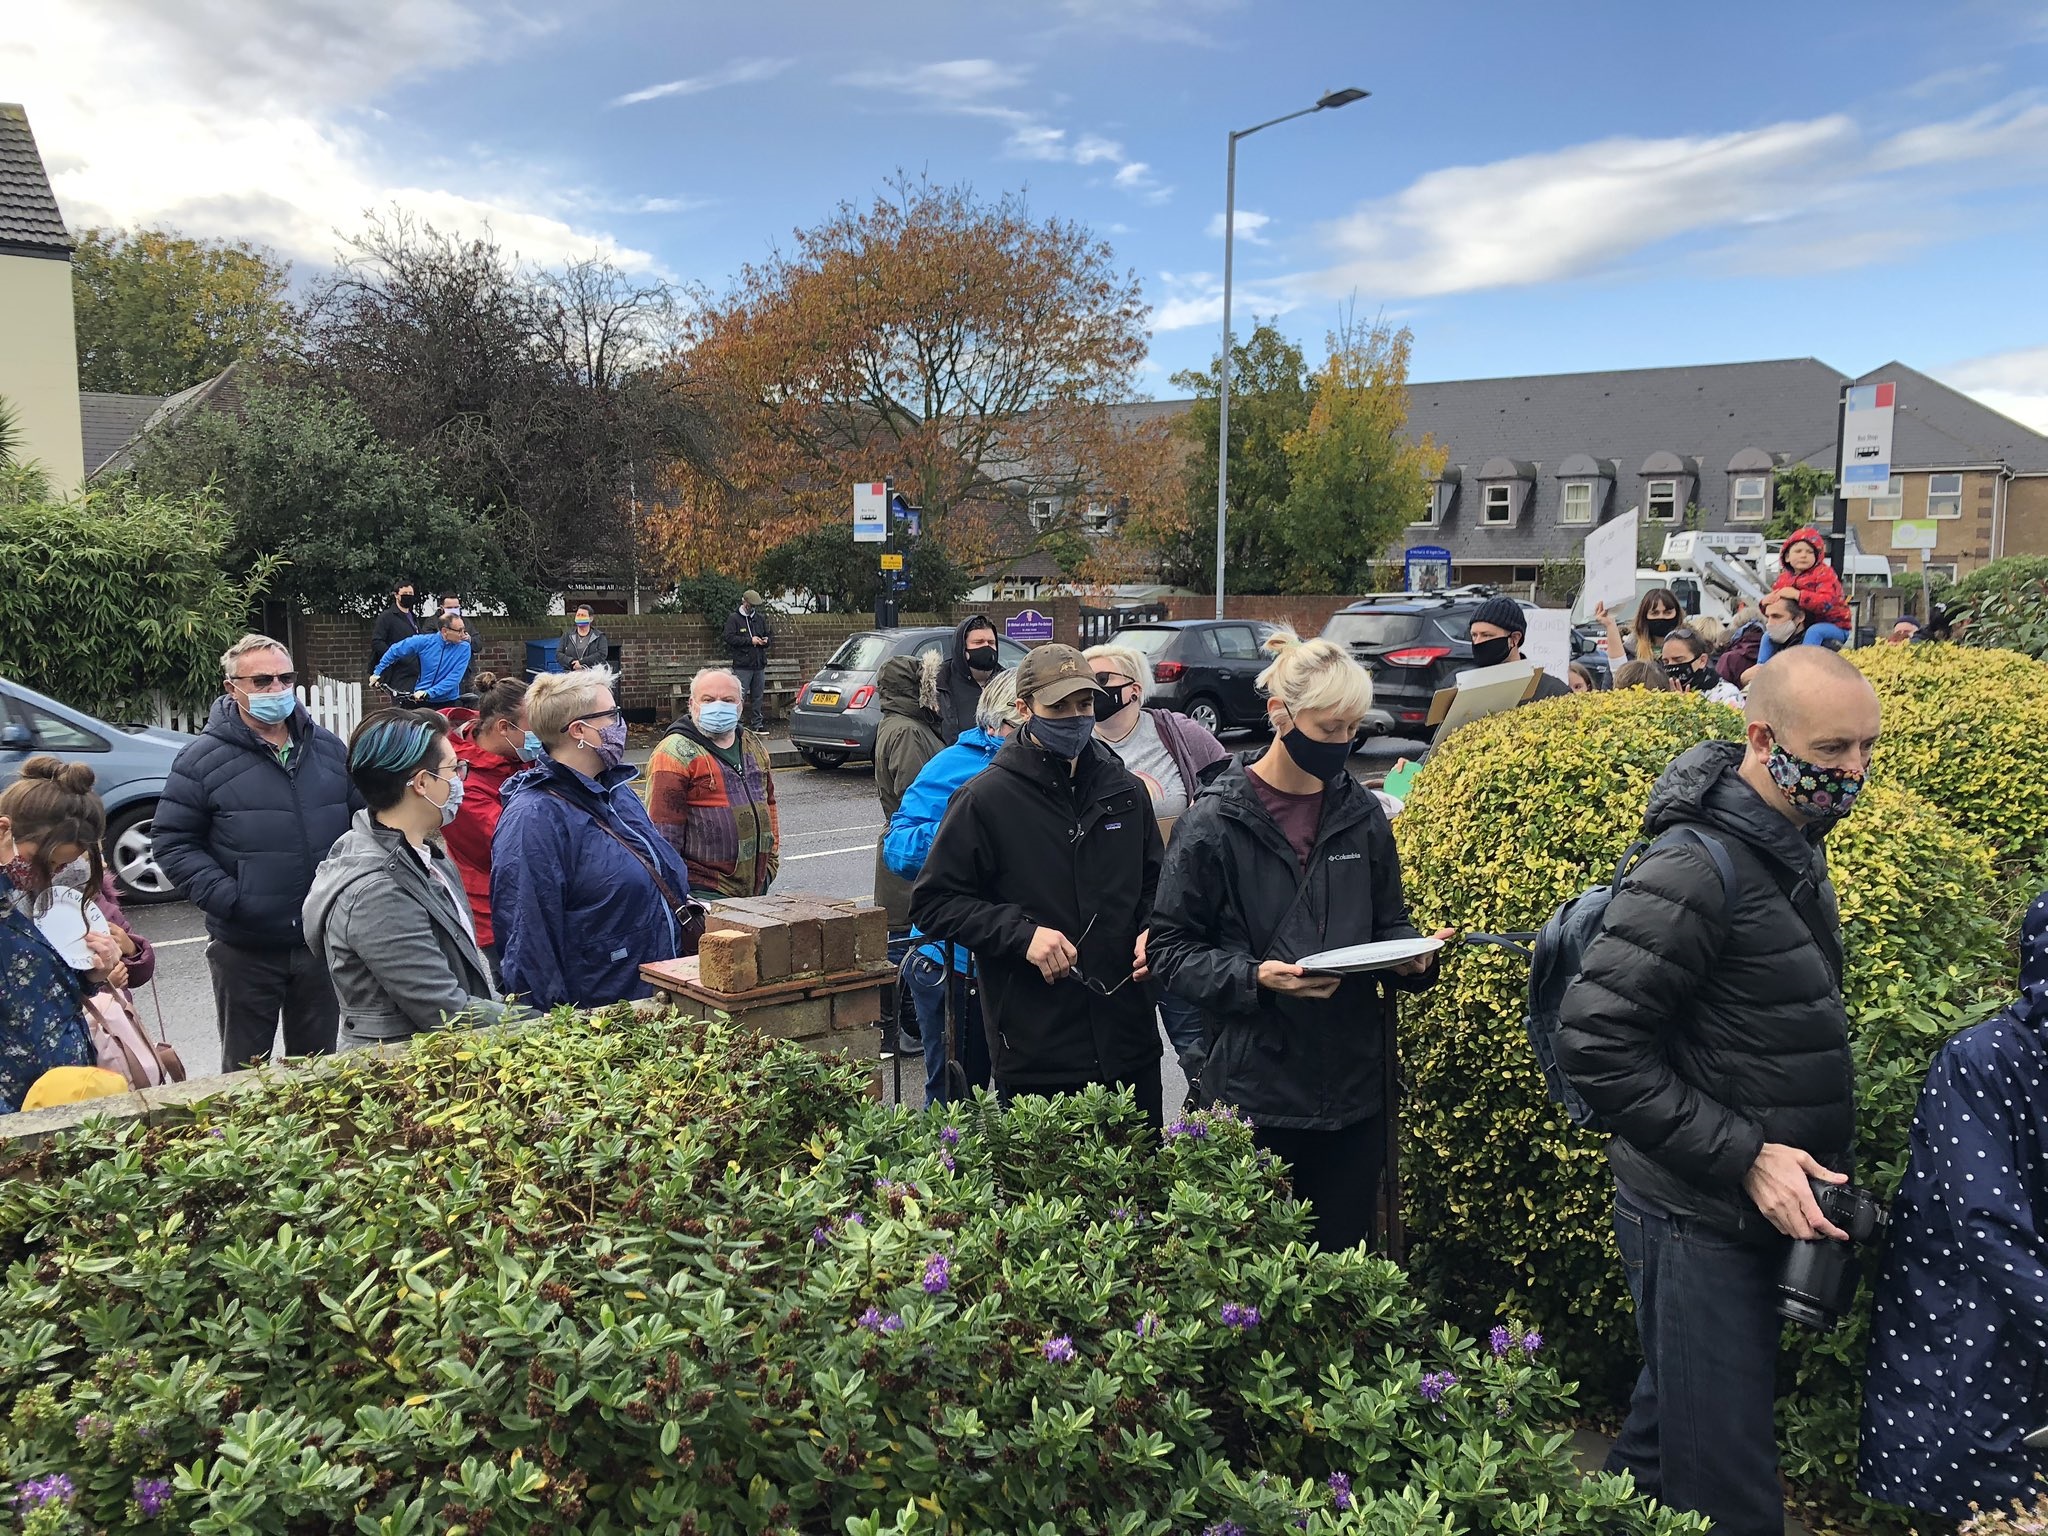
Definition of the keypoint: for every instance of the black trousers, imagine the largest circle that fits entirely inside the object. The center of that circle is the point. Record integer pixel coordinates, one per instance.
(1336, 1172)
(753, 684)
(252, 988)
(1146, 1088)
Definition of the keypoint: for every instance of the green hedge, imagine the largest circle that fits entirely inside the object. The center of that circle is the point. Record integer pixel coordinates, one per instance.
(1511, 1202)
(2004, 605)
(627, 1275)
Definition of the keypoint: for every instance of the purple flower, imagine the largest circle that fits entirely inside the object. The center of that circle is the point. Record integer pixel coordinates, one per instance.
(950, 1135)
(1240, 1317)
(946, 1162)
(821, 1235)
(93, 1426)
(152, 1496)
(938, 1274)
(1437, 1383)
(1194, 1130)
(1501, 1340)
(1149, 1326)
(1224, 1528)
(1531, 1342)
(856, 1220)
(54, 1489)
(875, 1322)
(1059, 1349)
(1340, 1490)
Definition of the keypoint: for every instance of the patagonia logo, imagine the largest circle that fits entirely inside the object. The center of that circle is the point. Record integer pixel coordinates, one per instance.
(1111, 826)
(1339, 858)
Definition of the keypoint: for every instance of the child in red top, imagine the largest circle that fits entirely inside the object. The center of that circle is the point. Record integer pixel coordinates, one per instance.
(1814, 583)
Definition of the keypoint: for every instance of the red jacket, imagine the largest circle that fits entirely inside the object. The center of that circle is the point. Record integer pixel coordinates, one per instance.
(469, 835)
(1818, 588)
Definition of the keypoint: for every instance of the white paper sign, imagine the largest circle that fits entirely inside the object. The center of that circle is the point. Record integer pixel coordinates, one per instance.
(1548, 641)
(871, 513)
(1611, 562)
(1482, 691)
(1867, 440)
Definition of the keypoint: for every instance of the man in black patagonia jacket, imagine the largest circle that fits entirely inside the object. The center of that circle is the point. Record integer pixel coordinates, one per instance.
(1707, 1030)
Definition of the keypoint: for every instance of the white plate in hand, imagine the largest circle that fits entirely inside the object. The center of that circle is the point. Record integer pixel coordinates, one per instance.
(1369, 957)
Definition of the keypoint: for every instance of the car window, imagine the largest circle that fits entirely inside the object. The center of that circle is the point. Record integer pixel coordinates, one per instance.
(861, 653)
(1372, 628)
(1010, 653)
(931, 647)
(1147, 642)
(1236, 641)
(56, 734)
(1455, 626)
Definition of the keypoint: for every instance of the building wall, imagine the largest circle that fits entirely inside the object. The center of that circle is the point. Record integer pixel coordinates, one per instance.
(2026, 515)
(1964, 542)
(39, 365)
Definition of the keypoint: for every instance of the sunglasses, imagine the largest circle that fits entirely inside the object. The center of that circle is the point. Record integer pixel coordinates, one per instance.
(267, 679)
(1100, 989)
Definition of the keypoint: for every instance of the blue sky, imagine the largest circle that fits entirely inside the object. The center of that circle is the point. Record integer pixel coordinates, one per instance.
(1532, 188)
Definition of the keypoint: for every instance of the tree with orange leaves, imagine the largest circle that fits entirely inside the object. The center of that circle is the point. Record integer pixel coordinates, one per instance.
(962, 348)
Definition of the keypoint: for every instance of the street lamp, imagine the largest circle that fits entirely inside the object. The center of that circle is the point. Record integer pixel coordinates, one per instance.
(1332, 99)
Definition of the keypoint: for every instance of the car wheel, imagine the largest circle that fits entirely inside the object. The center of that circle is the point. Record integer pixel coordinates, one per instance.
(1206, 713)
(821, 760)
(138, 879)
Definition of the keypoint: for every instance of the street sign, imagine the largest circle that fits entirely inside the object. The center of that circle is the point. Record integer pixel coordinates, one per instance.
(892, 562)
(1867, 440)
(871, 513)
(1029, 627)
(1915, 533)
(1427, 568)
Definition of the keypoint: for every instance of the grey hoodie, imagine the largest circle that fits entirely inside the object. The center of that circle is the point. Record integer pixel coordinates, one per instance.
(396, 938)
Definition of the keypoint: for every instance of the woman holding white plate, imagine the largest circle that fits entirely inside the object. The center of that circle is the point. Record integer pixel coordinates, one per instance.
(1281, 858)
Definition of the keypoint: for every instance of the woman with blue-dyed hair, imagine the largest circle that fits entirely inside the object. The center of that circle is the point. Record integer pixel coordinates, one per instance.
(386, 910)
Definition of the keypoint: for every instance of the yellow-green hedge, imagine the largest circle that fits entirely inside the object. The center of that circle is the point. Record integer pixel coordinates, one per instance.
(1508, 1203)
(1968, 729)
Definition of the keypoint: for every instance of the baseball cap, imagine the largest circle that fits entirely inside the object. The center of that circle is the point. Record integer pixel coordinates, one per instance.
(1054, 672)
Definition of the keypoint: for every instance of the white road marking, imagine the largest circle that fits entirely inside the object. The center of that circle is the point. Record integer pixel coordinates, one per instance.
(174, 943)
(826, 853)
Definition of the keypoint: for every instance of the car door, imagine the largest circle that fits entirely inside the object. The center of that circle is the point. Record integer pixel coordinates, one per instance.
(1239, 661)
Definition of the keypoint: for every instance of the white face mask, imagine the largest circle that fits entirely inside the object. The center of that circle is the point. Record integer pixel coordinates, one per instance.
(1782, 630)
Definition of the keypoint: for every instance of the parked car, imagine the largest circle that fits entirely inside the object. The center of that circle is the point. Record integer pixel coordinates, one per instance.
(130, 764)
(837, 714)
(1207, 669)
(1414, 644)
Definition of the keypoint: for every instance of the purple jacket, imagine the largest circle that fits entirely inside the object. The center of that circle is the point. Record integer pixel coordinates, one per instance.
(1192, 748)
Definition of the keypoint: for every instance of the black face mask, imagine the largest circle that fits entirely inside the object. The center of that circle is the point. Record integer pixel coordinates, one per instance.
(1657, 629)
(1491, 653)
(982, 658)
(1109, 705)
(1324, 760)
(1698, 677)
(405, 600)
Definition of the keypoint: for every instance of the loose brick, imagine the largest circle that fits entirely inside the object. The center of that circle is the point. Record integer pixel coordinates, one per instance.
(871, 935)
(772, 960)
(838, 936)
(727, 961)
(857, 1010)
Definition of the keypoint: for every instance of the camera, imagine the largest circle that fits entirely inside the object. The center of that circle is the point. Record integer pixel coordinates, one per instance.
(1819, 1278)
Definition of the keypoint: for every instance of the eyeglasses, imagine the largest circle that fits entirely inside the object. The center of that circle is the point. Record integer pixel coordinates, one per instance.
(256, 680)
(614, 713)
(459, 769)
(1097, 987)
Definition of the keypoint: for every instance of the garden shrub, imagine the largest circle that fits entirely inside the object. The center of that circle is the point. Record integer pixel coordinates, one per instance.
(634, 1275)
(1509, 1203)
(2005, 605)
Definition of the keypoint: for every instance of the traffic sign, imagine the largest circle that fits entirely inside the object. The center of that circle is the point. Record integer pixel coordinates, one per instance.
(892, 562)
(871, 512)
(1867, 440)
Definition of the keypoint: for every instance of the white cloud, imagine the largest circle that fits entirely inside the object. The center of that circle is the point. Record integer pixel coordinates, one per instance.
(948, 80)
(1943, 81)
(246, 119)
(1249, 226)
(2016, 126)
(1158, 21)
(1195, 299)
(738, 72)
(2015, 383)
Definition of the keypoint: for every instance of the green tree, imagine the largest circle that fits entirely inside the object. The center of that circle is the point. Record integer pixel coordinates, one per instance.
(158, 312)
(1357, 478)
(117, 594)
(847, 577)
(1797, 486)
(1269, 399)
(303, 475)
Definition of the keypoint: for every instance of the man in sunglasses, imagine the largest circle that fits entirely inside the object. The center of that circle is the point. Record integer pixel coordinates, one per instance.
(1044, 869)
(247, 814)
(443, 657)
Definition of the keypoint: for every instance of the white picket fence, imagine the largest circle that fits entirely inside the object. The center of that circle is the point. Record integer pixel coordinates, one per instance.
(334, 704)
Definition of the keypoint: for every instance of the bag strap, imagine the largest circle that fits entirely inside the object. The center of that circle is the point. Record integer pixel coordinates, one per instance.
(653, 873)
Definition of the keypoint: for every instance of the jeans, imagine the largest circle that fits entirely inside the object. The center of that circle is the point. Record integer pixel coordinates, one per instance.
(753, 682)
(928, 996)
(1183, 1023)
(1816, 634)
(1146, 1088)
(1336, 1172)
(252, 987)
(1700, 1433)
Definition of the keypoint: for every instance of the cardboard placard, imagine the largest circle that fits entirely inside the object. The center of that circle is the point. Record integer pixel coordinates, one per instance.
(1480, 692)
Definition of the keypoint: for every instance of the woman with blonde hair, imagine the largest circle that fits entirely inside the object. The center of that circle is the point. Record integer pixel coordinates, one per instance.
(1278, 858)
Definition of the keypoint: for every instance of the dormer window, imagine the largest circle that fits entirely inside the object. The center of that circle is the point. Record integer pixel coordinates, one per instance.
(1577, 503)
(1500, 506)
(1660, 501)
(1583, 484)
(1749, 500)
(1503, 491)
(1667, 486)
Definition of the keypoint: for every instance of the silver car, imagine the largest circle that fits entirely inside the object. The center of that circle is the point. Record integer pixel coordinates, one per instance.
(130, 765)
(837, 713)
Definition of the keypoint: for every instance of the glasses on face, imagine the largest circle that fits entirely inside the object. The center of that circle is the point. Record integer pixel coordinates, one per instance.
(257, 682)
(606, 715)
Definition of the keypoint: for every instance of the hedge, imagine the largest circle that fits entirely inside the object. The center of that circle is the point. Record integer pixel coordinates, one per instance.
(1510, 1202)
(627, 1275)
(2004, 605)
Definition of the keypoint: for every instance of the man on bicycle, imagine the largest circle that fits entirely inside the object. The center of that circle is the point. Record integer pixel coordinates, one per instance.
(443, 657)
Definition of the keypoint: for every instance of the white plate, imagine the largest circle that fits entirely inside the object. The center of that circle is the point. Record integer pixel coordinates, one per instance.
(1369, 957)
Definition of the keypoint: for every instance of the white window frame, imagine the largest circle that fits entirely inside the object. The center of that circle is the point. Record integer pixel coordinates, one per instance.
(1937, 497)
(1945, 570)
(1506, 505)
(1889, 507)
(1761, 496)
(1565, 513)
(1041, 515)
(1650, 489)
(1439, 498)
(1098, 517)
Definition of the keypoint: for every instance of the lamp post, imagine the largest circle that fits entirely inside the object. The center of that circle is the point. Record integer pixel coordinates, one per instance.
(1325, 103)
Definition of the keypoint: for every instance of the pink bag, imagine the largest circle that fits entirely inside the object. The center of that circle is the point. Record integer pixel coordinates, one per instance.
(120, 1044)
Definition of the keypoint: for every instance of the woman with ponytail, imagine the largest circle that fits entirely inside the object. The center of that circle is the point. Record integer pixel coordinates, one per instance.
(49, 817)
(494, 740)
(1281, 856)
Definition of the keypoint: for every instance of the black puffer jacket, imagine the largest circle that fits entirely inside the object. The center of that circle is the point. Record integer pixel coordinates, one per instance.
(1233, 894)
(1702, 1027)
(1023, 847)
(959, 688)
(241, 833)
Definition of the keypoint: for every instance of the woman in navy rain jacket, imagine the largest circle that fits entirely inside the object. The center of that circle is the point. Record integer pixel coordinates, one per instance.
(1959, 1351)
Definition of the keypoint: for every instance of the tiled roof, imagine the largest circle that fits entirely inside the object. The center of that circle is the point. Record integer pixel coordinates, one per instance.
(29, 219)
(222, 392)
(1936, 426)
(108, 421)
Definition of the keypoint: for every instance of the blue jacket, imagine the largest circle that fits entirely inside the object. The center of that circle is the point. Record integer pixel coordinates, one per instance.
(42, 1005)
(916, 822)
(442, 666)
(241, 833)
(1958, 1368)
(575, 910)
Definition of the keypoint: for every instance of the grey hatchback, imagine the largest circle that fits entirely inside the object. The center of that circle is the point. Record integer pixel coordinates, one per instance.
(837, 714)
(129, 762)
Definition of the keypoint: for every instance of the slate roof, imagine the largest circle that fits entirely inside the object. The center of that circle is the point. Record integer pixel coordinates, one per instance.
(222, 392)
(108, 421)
(1934, 426)
(30, 223)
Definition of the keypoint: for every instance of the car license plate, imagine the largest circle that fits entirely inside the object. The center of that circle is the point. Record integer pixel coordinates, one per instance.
(827, 699)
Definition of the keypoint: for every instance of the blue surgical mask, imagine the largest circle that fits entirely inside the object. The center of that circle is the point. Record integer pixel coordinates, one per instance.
(717, 717)
(273, 708)
(453, 803)
(530, 749)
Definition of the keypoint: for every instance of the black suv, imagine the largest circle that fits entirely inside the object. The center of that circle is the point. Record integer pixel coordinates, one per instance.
(1414, 643)
(1207, 669)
